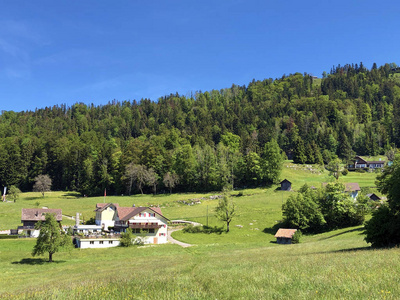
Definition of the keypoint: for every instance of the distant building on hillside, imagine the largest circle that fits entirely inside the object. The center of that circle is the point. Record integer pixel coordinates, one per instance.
(284, 236)
(286, 185)
(361, 163)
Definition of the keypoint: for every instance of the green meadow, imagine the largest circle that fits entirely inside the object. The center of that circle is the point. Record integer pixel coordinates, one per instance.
(245, 263)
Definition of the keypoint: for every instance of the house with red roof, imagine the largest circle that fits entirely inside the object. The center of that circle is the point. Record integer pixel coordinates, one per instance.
(148, 220)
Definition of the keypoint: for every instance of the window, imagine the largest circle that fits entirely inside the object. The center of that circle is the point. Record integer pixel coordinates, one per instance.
(162, 234)
(91, 242)
(110, 242)
(101, 242)
(140, 214)
(151, 230)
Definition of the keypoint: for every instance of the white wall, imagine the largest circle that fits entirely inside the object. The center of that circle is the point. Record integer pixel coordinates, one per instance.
(96, 243)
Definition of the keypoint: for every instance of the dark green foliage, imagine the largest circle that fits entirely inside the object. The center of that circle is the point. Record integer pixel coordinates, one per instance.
(301, 211)
(297, 237)
(202, 229)
(318, 210)
(383, 229)
(210, 140)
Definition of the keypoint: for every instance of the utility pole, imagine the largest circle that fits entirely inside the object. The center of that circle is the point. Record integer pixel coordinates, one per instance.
(207, 215)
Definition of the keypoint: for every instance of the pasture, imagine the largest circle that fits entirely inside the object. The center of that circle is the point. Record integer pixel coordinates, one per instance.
(244, 263)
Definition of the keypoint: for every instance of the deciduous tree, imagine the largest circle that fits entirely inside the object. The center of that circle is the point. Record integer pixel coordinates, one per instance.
(225, 211)
(42, 184)
(51, 237)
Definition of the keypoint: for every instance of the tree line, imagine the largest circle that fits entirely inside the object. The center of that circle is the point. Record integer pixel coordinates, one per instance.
(205, 141)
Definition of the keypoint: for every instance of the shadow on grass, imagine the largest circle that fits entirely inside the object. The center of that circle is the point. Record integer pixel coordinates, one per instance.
(33, 198)
(35, 261)
(344, 232)
(72, 194)
(272, 230)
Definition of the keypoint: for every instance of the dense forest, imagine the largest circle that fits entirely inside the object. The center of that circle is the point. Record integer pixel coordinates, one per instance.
(235, 136)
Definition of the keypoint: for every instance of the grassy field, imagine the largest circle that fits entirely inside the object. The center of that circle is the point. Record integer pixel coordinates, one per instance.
(245, 263)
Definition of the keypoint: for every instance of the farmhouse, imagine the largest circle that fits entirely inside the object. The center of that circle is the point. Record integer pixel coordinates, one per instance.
(352, 188)
(30, 216)
(360, 163)
(106, 214)
(286, 185)
(284, 236)
(148, 220)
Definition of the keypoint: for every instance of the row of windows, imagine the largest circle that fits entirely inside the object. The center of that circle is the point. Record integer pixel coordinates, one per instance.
(100, 242)
(147, 214)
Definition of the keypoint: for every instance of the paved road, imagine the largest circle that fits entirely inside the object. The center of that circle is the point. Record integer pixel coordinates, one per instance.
(172, 240)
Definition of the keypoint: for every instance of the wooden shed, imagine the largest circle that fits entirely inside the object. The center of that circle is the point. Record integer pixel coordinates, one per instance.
(286, 185)
(284, 236)
(373, 197)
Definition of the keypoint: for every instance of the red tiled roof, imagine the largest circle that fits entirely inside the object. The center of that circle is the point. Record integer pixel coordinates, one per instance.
(285, 233)
(125, 211)
(157, 210)
(38, 214)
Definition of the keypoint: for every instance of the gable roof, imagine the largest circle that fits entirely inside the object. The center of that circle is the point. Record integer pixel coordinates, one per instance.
(348, 187)
(38, 214)
(285, 233)
(373, 195)
(352, 187)
(129, 212)
(103, 206)
(285, 180)
(369, 161)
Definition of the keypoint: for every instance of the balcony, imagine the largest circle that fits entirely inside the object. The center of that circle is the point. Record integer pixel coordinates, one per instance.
(144, 225)
(120, 224)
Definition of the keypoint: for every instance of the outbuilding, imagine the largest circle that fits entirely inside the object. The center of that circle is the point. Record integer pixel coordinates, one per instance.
(373, 197)
(284, 235)
(286, 185)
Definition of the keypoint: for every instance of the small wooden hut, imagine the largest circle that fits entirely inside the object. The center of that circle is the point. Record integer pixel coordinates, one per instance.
(286, 185)
(284, 236)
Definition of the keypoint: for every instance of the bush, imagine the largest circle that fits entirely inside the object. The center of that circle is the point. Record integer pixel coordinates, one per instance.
(383, 229)
(202, 229)
(345, 172)
(296, 237)
(126, 239)
(360, 170)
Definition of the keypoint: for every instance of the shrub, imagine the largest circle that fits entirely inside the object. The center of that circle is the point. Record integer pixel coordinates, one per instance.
(296, 237)
(360, 170)
(345, 172)
(126, 239)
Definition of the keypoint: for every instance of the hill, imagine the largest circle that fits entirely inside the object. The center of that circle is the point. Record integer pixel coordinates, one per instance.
(209, 139)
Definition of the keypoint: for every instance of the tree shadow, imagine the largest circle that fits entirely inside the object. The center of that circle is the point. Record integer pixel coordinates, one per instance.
(272, 230)
(72, 194)
(33, 198)
(344, 232)
(35, 261)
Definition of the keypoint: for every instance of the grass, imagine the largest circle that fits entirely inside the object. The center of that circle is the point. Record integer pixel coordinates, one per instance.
(244, 263)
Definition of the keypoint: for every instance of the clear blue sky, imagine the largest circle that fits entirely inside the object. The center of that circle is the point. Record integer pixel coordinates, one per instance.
(94, 51)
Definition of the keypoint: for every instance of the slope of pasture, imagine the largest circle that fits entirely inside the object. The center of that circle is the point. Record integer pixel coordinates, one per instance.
(334, 265)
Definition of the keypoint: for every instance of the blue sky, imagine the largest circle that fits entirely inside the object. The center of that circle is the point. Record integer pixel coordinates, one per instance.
(94, 51)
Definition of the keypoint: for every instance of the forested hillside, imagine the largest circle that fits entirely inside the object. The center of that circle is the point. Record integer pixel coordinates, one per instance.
(209, 140)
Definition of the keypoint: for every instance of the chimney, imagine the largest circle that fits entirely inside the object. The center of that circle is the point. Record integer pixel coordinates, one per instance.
(77, 220)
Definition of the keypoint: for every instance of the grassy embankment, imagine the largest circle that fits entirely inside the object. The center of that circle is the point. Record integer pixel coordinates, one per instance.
(245, 263)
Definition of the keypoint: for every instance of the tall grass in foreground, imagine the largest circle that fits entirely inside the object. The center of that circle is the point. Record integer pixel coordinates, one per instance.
(326, 267)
